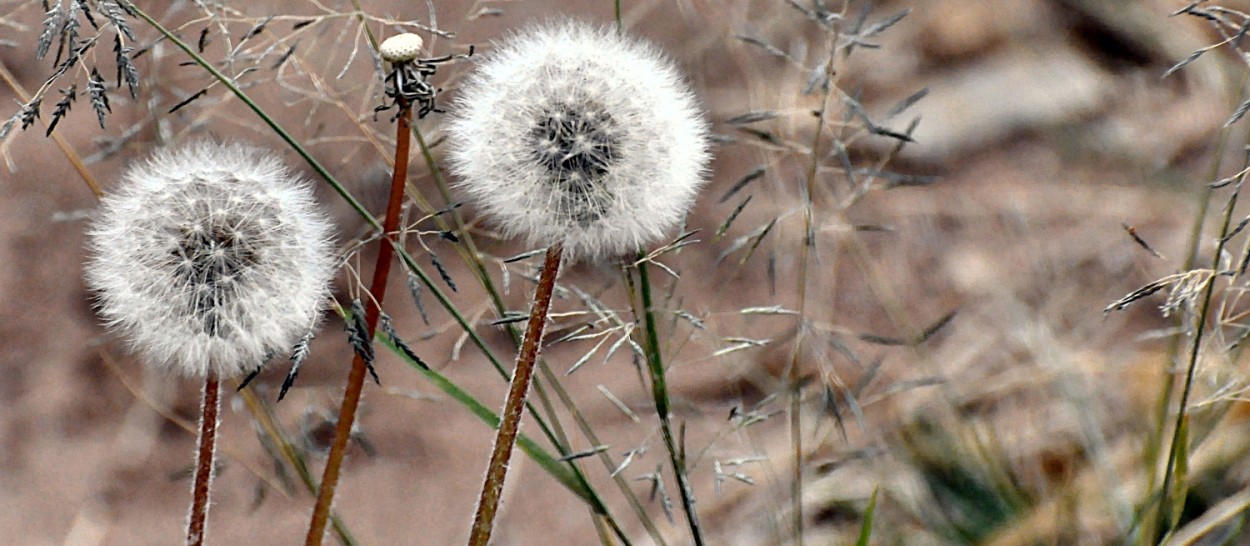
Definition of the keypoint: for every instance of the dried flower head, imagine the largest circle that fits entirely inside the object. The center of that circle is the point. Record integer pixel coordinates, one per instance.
(574, 134)
(210, 259)
(400, 48)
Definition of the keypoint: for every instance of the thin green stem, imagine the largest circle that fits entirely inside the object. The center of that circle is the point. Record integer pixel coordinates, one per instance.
(510, 417)
(659, 393)
(1153, 446)
(584, 426)
(1163, 514)
(469, 253)
(561, 471)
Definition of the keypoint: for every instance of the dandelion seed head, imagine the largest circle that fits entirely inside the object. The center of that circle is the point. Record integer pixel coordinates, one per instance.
(210, 258)
(401, 48)
(574, 134)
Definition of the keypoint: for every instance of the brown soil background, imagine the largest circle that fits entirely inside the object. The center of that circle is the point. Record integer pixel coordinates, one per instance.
(1048, 125)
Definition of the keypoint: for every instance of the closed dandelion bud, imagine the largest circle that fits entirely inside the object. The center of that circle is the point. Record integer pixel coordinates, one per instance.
(572, 134)
(210, 258)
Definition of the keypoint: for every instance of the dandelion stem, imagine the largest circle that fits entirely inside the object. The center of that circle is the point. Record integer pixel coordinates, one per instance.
(356, 378)
(659, 392)
(553, 431)
(267, 421)
(204, 460)
(510, 417)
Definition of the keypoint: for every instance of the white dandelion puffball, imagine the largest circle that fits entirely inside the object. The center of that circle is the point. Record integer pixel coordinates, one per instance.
(570, 133)
(210, 259)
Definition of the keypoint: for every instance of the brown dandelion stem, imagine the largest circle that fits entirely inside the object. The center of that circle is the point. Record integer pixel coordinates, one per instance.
(201, 486)
(510, 417)
(356, 378)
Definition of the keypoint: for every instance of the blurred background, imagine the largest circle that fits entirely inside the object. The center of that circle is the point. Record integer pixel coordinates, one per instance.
(953, 342)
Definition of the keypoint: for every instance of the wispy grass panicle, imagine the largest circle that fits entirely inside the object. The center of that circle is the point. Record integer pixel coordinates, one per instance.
(70, 32)
(574, 134)
(210, 258)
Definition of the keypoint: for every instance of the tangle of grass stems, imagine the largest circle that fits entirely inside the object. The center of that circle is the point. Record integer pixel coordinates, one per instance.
(1164, 515)
(263, 412)
(792, 372)
(1152, 447)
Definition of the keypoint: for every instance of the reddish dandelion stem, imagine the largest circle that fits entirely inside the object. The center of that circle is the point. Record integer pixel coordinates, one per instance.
(510, 418)
(356, 378)
(204, 461)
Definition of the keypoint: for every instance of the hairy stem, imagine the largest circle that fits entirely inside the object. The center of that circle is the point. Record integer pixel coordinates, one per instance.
(356, 378)
(510, 417)
(269, 426)
(204, 460)
(553, 431)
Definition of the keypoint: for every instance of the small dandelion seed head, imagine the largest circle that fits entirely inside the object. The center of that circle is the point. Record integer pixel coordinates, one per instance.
(401, 48)
(574, 134)
(210, 258)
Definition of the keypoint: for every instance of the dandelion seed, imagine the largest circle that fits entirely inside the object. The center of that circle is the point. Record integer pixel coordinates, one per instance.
(576, 135)
(210, 257)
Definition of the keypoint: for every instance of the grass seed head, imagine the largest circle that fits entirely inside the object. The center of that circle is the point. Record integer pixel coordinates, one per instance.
(572, 133)
(210, 258)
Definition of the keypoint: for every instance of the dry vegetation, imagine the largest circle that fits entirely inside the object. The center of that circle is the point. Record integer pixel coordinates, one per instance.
(945, 325)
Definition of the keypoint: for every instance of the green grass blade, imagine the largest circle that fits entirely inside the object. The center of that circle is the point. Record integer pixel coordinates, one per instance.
(865, 529)
(1180, 491)
(659, 394)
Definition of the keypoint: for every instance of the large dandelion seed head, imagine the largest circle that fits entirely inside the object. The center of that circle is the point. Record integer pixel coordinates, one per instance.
(569, 133)
(210, 259)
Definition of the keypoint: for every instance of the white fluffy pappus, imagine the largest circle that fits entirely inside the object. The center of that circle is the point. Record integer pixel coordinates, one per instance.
(570, 133)
(210, 258)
